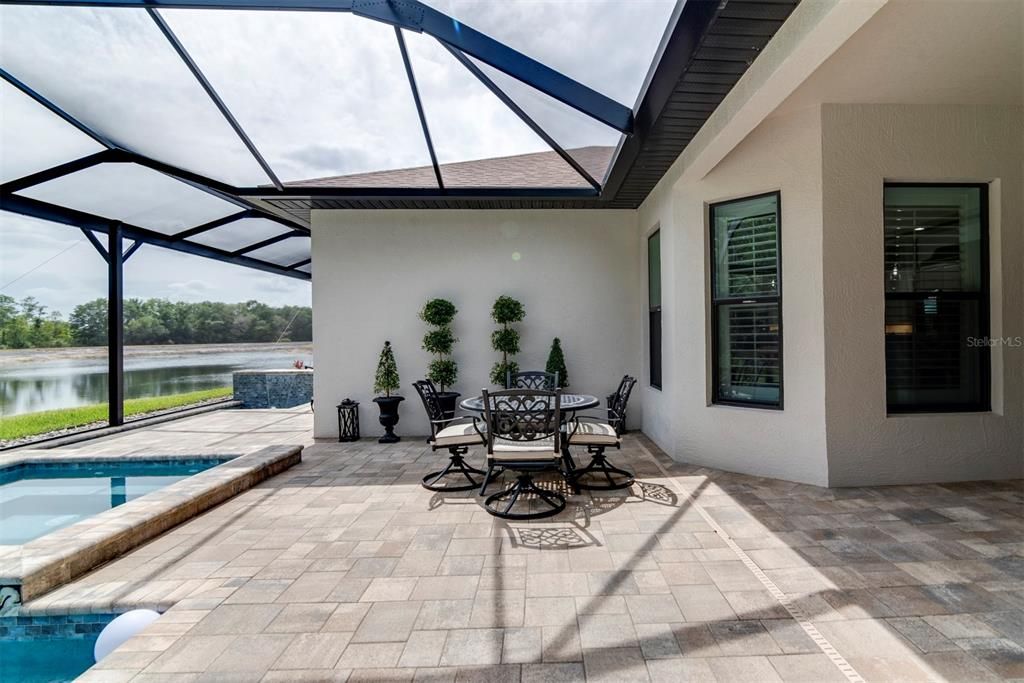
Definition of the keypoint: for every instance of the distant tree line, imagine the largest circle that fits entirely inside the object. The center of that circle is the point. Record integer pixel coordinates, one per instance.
(28, 324)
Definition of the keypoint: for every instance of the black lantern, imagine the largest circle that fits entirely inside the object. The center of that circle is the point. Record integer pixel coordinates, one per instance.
(348, 420)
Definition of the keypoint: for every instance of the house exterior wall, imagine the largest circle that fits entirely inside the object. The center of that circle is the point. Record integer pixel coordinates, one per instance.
(782, 154)
(864, 146)
(943, 107)
(574, 271)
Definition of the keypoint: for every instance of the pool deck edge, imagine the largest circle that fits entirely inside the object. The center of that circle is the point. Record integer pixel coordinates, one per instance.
(73, 437)
(37, 567)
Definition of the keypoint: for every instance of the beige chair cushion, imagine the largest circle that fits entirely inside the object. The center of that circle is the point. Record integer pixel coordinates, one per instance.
(458, 435)
(592, 434)
(541, 449)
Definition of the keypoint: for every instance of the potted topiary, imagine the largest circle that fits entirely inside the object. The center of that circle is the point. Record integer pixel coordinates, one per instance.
(442, 371)
(386, 381)
(556, 363)
(506, 311)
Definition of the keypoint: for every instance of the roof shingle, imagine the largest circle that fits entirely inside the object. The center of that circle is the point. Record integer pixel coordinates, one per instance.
(538, 169)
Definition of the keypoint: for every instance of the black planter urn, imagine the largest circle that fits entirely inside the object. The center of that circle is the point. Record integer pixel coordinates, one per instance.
(447, 400)
(389, 417)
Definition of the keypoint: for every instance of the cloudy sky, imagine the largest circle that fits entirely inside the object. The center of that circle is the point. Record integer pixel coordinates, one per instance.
(320, 94)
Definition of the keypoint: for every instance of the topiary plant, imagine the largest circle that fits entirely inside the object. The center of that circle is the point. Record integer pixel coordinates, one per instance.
(556, 363)
(386, 379)
(439, 313)
(505, 340)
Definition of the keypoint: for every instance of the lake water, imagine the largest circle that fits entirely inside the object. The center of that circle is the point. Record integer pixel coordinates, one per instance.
(50, 384)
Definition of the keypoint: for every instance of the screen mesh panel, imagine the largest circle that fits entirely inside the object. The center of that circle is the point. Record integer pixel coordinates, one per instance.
(135, 195)
(283, 253)
(239, 234)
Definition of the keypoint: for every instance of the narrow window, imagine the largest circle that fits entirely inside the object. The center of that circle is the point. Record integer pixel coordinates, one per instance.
(936, 298)
(654, 305)
(746, 304)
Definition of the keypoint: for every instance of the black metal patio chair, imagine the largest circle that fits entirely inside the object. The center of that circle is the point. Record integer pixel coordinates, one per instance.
(523, 436)
(597, 435)
(532, 379)
(454, 434)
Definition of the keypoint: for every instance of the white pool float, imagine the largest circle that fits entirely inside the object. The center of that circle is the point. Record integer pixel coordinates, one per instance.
(121, 629)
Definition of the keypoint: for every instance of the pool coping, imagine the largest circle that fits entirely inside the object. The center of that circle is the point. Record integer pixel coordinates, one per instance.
(31, 570)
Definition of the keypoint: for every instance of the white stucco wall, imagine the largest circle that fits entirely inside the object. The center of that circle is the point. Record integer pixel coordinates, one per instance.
(864, 146)
(782, 154)
(574, 271)
(924, 52)
(953, 96)
(658, 403)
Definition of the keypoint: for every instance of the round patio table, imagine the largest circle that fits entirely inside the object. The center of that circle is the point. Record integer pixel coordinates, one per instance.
(570, 403)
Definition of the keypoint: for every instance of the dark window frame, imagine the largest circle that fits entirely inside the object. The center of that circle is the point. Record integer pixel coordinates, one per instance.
(654, 345)
(716, 303)
(983, 296)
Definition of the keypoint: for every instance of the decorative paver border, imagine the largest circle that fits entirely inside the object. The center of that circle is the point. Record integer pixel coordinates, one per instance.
(30, 570)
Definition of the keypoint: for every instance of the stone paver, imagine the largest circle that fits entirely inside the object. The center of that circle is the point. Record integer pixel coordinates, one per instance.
(344, 568)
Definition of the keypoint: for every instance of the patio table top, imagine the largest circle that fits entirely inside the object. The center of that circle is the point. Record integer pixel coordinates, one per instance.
(569, 402)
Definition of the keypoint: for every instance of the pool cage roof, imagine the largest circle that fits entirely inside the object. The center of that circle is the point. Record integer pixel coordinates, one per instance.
(214, 127)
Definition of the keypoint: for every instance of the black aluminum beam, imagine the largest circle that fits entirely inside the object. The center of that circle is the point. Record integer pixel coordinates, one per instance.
(212, 93)
(420, 17)
(218, 189)
(95, 241)
(269, 5)
(267, 242)
(79, 219)
(54, 172)
(310, 192)
(115, 153)
(419, 106)
(533, 125)
(299, 264)
(68, 118)
(115, 325)
(136, 245)
(112, 153)
(678, 50)
(192, 232)
(415, 16)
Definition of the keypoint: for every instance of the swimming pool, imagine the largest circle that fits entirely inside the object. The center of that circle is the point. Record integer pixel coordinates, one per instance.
(38, 498)
(48, 649)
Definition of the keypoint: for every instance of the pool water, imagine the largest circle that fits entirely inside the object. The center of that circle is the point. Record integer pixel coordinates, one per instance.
(48, 649)
(45, 661)
(36, 499)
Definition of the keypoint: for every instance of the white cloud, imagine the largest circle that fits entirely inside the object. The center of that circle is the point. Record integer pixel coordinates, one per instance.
(193, 290)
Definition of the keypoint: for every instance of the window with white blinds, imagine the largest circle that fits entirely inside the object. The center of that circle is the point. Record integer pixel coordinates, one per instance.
(746, 302)
(936, 298)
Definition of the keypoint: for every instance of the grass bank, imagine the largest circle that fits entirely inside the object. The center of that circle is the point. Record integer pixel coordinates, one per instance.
(43, 422)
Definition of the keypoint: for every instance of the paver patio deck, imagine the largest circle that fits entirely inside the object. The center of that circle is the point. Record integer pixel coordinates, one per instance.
(344, 568)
